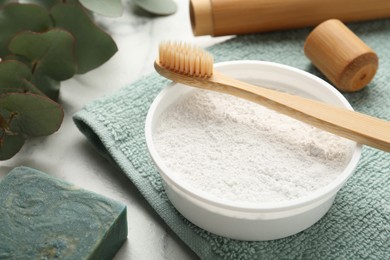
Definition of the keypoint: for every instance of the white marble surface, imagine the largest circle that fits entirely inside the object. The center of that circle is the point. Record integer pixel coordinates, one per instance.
(67, 155)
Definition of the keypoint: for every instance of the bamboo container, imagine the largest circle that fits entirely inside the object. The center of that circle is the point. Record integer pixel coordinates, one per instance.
(341, 56)
(228, 17)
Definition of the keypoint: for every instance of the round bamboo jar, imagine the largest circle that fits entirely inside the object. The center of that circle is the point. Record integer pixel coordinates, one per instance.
(341, 56)
(230, 17)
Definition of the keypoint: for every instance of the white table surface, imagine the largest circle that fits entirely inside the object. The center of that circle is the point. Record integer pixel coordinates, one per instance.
(67, 155)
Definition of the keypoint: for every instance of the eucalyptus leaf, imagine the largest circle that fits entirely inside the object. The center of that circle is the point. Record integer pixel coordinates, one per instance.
(49, 3)
(41, 43)
(15, 77)
(93, 45)
(38, 83)
(12, 73)
(20, 58)
(45, 3)
(34, 115)
(3, 2)
(47, 85)
(51, 52)
(15, 18)
(3, 122)
(10, 144)
(159, 7)
(112, 8)
(28, 87)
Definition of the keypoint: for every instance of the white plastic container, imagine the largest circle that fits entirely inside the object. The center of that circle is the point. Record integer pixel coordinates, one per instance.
(260, 221)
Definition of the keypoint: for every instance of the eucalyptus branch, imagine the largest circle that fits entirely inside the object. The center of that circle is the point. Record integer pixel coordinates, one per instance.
(43, 42)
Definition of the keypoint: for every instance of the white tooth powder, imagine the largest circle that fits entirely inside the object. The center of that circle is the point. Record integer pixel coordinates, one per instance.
(240, 151)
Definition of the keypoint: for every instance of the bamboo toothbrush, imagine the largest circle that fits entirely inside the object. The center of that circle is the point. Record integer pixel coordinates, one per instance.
(193, 66)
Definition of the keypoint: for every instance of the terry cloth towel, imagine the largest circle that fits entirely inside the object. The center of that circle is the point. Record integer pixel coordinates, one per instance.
(357, 225)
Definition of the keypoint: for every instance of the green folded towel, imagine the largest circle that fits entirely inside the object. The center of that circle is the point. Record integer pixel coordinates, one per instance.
(358, 224)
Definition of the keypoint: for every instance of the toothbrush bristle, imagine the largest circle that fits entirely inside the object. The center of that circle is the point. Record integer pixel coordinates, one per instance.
(186, 59)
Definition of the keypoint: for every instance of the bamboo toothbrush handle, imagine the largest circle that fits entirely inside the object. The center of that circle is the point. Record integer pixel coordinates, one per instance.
(343, 122)
(346, 123)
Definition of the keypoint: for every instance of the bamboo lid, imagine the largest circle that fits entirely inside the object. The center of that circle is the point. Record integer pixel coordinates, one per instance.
(341, 56)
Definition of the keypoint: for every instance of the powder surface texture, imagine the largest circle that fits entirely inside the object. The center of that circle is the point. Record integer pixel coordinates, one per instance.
(240, 151)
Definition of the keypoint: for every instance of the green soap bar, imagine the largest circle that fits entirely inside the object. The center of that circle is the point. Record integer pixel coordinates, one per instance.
(42, 217)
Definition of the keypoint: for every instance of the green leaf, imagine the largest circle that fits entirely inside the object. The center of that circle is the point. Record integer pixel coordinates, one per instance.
(10, 142)
(93, 45)
(16, 57)
(47, 85)
(45, 3)
(50, 3)
(15, 77)
(33, 115)
(51, 52)
(9, 145)
(13, 73)
(4, 2)
(3, 122)
(15, 18)
(159, 7)
(111, 8)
